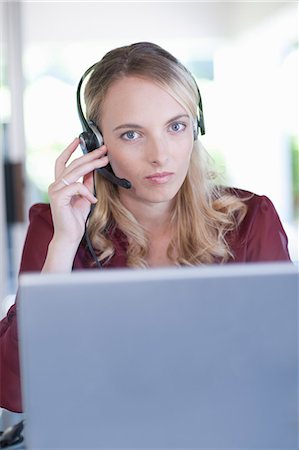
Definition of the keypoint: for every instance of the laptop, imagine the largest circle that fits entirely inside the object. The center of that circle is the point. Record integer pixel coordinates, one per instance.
(201, 357)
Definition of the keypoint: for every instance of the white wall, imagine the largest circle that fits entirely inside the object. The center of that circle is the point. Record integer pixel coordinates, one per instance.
(258, 97)
(89, 21)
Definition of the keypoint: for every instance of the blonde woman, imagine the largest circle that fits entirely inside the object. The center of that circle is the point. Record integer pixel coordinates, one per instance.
(149, 187)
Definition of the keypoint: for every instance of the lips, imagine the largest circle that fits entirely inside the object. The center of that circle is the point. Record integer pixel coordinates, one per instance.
(159, 177)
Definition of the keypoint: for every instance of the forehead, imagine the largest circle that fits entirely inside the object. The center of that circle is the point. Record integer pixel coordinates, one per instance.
(139, 97)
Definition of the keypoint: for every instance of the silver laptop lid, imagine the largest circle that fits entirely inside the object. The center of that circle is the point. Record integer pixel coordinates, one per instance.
(161, 358)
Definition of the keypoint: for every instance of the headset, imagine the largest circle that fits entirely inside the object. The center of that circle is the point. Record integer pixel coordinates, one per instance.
(91, 137)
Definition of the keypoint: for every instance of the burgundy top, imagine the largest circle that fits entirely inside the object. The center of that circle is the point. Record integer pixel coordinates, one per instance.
(260, 237)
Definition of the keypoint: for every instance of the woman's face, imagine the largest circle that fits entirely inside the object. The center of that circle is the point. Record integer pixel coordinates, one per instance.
(149, 138)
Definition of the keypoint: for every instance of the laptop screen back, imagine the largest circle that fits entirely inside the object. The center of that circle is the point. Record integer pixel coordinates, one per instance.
(161, 358)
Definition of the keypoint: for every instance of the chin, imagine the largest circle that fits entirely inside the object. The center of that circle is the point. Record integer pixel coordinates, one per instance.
(161, 196)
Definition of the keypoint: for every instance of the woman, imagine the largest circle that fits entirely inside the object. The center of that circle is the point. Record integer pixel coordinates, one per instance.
(168, 211)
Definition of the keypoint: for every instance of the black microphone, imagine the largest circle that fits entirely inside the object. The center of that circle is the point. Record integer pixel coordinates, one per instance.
(122, 182)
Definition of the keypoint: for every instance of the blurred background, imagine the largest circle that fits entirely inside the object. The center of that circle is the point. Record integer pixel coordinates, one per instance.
(244, 56)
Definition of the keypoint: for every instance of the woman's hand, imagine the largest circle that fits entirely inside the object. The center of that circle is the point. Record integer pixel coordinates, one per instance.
(70, 202)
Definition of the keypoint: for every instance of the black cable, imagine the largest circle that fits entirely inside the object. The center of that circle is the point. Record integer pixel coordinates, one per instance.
(86, 236)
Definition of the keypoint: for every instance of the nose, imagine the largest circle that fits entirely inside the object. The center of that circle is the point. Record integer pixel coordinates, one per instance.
(157, 151)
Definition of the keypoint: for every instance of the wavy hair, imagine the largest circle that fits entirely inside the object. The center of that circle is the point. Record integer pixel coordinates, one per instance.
(203, 212)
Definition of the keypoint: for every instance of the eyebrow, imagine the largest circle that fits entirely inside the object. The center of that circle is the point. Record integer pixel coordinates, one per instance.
(136, 126)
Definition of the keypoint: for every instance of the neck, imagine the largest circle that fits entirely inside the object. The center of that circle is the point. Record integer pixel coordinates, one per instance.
(154, 217)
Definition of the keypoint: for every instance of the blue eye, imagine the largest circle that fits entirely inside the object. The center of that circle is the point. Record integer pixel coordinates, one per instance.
(177, 127)
(129, 135)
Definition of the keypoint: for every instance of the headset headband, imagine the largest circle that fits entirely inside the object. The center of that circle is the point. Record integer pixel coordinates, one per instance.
(86, 127)
(83, 120)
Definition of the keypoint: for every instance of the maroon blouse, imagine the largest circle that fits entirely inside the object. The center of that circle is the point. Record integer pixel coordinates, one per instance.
(260, 237)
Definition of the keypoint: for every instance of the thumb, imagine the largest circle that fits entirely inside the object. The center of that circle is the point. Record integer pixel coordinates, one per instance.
(88, 181)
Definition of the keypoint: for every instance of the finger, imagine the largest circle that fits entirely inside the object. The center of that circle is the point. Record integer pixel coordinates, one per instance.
(88, 181)
(71, 191)
(72, 176)
(91, 156)
(64, 157)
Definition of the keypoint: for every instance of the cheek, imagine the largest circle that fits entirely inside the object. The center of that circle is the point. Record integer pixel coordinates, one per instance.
(184, 157)
(121, 161)
(114, 152)
(183, 165)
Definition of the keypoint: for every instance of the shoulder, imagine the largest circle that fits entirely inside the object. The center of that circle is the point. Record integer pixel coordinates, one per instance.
(40, 220)
(40, 212)
(260, 236)
(248, 197)
(39, 234)
(255, 207)
(258, 206)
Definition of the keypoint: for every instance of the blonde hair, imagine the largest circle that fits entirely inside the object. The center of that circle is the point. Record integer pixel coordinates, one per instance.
(203, 212)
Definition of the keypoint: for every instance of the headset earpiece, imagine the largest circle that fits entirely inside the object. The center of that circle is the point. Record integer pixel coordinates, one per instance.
(88, 141)
(195, 129)
(200, 119)
(200, 122)
(91, 139)
(97, 133)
